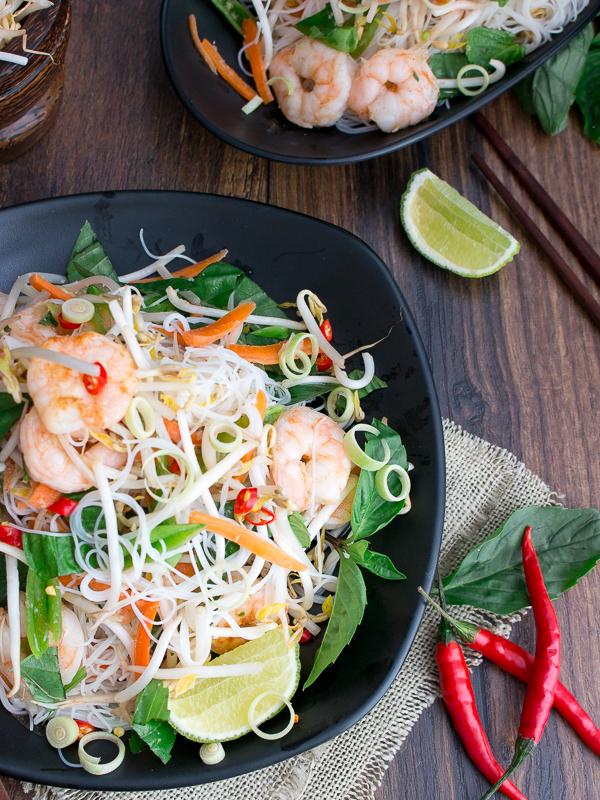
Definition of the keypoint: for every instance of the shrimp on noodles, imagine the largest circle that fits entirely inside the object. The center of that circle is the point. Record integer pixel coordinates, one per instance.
(321, 79)
(394, 88)
(59, 393)
(309, 460)
(25, 326)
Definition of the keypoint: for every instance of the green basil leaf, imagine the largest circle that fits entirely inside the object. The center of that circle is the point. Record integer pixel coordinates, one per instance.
(298, 525)
(151, 704)
(375, 384)
(555, 82)
(169, 536)
(79, 676)
(357, 550)
(349, 604)
(272, 414)
(246, 289)
(368, 33)
(308, 391)
(50, 556)
(159, 736)
(567, 543)
(88, 257)
(322, 26)
(42, 676)
(484, 44)
(447, 66)
(588, 91)
(524, 94)
(381, 565)
(48, 320)
(136, 743)
(370, 512)
(10, 412)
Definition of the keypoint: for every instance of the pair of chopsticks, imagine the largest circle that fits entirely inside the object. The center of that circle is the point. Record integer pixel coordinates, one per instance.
(589, 259)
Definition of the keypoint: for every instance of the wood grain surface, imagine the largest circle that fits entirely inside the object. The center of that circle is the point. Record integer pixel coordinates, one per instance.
(514, 359)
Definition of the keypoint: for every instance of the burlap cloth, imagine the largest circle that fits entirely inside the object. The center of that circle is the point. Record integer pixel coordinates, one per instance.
(484, 486)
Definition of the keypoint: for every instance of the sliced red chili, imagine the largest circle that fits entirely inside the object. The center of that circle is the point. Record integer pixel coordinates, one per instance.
(63, 506)
(68, 326)
(324, 363)
(270, 518)
(95, 385)
(305, 636)
(326, 330)
(12, 536)
(245, 502)
(84, 728)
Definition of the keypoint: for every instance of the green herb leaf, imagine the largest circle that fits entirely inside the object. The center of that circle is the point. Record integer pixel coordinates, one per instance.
(375, 384)
(9, 412)
(377, 563)
(484, 44)
(370, 512)
(369, 33)
(48, 320)
(42, 676)
(79, 676)
(136, 743)
(150, 720)
(349, 604)
(272, 414)
(50, 556)
(567, 542)
(308, 391)
(159, 736)
(322, 26)
(298, 525)
(524, 93)
(552, 90)
(447, 66)
(588, 91)
(88, 257)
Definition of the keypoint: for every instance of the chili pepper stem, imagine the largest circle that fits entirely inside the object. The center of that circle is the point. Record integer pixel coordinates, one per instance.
(523, 748)
(465, 630)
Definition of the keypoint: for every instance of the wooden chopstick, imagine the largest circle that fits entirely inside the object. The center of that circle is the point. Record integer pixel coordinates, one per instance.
(580, 291)
(582, 248)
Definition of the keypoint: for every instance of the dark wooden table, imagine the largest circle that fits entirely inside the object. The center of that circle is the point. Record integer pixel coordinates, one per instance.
(514, 359)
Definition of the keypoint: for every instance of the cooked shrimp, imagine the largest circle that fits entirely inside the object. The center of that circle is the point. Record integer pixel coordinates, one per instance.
(59, 393)
(394, 88)
(243, 615)
(25, 326)
(321, 78)
(48, 462)
(70, 647)
(309, 460)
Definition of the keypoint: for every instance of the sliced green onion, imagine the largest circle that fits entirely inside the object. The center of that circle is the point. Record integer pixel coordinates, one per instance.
(140, 411)
(252, 711)
(332, 404)
(468, 68)
(287, 81)
(178, 455)
(92, 763)
(62, 731)
(77, 310)
(252, 105)
(229, 428)
(381, 483)
(287, 359)
(212, 753)
(358, 456)
(220, 568)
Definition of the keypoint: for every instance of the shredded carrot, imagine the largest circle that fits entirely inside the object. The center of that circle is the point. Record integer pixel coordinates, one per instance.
(43, 285)
(266, 353)
(255, 57)
(200, 337)
(175, 434)
(263, 548)
(198, 44)
(186, 569)
(193, 269)
(21, 506)
(225, 71)
(141, 653)
(43, 496)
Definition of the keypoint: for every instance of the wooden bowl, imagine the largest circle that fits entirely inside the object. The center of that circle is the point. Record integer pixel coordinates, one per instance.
(30, 95)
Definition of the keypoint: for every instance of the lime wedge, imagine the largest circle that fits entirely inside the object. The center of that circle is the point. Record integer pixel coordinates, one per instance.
(450, 231)
(216, 709)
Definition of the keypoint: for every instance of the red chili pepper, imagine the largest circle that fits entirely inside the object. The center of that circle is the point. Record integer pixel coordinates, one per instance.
(245, 502)
(305, 636)
(63, 506)
(95, 385)
(457, 692)
(539, 697)
(270, 518)
(518, 662)
(68, 326)
(324, 363)
(326, 330)
(12, 536)
(84, 728)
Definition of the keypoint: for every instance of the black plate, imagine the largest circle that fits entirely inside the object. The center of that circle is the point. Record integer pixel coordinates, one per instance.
(284, 252)
(266, 132)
